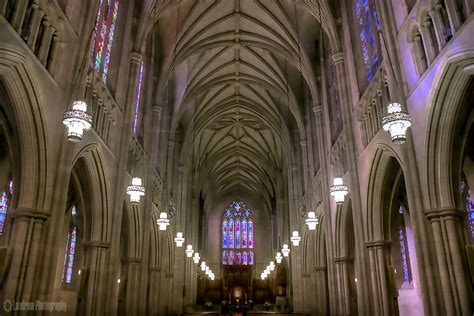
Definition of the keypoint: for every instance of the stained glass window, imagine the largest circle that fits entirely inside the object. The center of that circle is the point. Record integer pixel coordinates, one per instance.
(103, 36)
(404, 254)
(470, 213)
(70, 253)
(368, 27)
(237, 234)
(4, 206)
(136, 104)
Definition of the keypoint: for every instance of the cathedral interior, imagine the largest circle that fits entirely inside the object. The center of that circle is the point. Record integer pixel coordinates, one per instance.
(236, 157)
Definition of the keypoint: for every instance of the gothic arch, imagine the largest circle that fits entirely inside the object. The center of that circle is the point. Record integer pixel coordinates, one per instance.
(90, 166)
(442, 166)
(25, 115)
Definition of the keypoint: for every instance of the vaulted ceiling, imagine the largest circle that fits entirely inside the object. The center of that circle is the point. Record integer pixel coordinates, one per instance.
(236, 73)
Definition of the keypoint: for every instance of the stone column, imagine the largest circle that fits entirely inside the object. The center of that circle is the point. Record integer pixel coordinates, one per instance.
(191, 268)
(453, 15)
(19, 14)
(154, 292)
(427, 42)
(46, 42)
(360, 253)
(342, 268)
(321, 288)
(454, 278)
(27, 228)
(36, 18)
(57, 49)
(416, 57)
(307, 183)
(133, 286)
(96, 253)
(438, 27)
(380, 282)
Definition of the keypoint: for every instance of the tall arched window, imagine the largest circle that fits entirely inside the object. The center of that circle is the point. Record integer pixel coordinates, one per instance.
(137, 100)
(4, 204)
(469, 211)
(70, 253)
(103, 36)
(237, 235)
(367, 26)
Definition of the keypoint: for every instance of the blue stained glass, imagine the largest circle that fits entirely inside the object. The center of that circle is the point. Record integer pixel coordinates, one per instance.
(403, 252)
(251, 258)
(470, 215)
(70, 252)
(237, 233)
(3, 211)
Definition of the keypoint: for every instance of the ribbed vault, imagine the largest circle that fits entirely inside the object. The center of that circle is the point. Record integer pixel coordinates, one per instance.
(237, 74)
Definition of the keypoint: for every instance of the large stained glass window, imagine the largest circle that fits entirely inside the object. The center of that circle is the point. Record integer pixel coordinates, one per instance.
(70, 253)
(403, 242)
(137, 101)
(103, 36)
(237, 235)
(368, 27)
(4, 205)
(469, 212)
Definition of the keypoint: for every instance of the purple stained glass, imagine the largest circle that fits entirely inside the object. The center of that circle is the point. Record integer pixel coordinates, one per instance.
(138, 93)
(237, 233)
(70, 252)
(110, 39)
(470, 216)
(244, 258)
(224, 234)
(251, 258)
(3, 211)
(238, 258)
(231, 234)
(250, 234)
(403, 253)
(244, 233)
(230, 259)
(224, 257)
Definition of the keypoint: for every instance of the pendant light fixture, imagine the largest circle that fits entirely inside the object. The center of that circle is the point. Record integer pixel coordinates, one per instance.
(196, 258)
(136, 190)
(285, 250)
(311, 221)
(295, 238)
(339, 190)
(163, 221)
(189, 251)
(278, 257)
(179, 239)
(77, 120)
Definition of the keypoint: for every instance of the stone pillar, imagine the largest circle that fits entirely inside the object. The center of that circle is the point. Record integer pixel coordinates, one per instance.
(427, 42)
(36, 18)
(422, 59)
(321, 288)
(19, 14)
(360, 253)
(96, 253)
(438, 27)
(154, 292)
(342, 268)
(45, 42)
(192, 268)
(380, 282)
(135, 62)
(57, 49)
(27, 228)
(133, 286)
(454, 278)
(453, 15)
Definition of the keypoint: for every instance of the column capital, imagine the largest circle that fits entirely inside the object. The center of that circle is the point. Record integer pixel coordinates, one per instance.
(154, 269)
(443, 213)
(343, 259)
(134, 259)
(317, 109)
(136, 58)
(377, 244)
(338, 57)
(323, 268)
(156, 109)
(303, 143)
(97, 244)
(27, 214)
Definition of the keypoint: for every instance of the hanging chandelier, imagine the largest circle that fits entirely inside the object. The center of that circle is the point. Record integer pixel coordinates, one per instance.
(163, 221)
(278, 257)
(203, 266)
(189, 251)
(196, 258)
(339, 190)
(179, 239)
(77, 121)
(285, 250)
(396, 122)
(311, 221)
(271, 266)
(295, 238)
(136, 190)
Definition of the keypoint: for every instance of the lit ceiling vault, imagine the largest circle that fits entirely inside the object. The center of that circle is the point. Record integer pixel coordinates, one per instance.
(235, 74)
